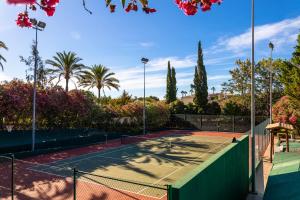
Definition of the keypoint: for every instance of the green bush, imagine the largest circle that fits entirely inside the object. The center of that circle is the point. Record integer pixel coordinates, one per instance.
(177, 107)
(191, 108)
(213, 108)
(236, 105)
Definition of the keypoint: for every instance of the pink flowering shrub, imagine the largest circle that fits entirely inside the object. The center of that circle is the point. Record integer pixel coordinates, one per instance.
(56, 108)
(287, 110)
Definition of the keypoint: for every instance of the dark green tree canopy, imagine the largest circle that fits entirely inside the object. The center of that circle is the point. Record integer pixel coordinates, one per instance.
(174, 85)
(171, 89)
(169, 84)
(200, 81)
(290, 74)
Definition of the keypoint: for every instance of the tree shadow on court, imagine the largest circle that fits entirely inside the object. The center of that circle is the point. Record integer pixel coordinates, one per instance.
(32, 185)
(156, 156)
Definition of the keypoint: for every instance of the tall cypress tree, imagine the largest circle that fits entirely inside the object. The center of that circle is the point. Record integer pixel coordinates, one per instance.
(173, 85)
(169, 84)
(200, 81)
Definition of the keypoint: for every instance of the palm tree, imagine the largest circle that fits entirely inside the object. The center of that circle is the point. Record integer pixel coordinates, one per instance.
(98, 76)
(2, 45)
(66, 64)
(213, 90)
(182, 93)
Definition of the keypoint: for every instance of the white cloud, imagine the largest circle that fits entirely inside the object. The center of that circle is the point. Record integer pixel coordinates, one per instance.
(147, 44)
(218, 77)
(75, 35)
(279, 33)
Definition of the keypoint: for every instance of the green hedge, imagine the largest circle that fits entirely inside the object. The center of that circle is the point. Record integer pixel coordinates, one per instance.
(223, 176)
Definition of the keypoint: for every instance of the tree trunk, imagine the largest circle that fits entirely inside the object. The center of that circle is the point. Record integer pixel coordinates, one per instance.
(67, 85)
(99, 93)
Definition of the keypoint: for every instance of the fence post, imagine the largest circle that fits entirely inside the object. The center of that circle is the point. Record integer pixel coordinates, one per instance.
(218, 125)
(74, 183)
(12, 176)
(169, 192)
(201, 122)
(233, 123)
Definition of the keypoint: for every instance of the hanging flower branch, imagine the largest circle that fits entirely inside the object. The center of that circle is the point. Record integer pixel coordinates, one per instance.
(189, 7)
(23, 20)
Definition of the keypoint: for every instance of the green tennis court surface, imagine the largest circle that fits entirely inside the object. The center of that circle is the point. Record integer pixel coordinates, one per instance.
(294, 146)
(155, 161)
(284, 179)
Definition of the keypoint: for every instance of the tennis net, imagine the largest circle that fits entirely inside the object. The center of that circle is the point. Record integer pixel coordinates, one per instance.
(170, 142)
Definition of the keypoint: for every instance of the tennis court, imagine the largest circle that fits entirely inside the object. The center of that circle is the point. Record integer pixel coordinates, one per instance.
(140, 168)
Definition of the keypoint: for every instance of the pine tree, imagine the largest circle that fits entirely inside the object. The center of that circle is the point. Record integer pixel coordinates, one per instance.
(169, 84)
(200, 81)
(290, 76)
(173, 85)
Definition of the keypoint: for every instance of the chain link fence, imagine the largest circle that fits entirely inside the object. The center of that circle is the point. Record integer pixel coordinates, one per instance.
(221, 123)
(23, 180)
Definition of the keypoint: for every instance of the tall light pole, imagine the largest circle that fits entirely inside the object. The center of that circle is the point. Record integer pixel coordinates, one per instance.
(253, 177)
(38, 26)
(271, 46)
(144, 61)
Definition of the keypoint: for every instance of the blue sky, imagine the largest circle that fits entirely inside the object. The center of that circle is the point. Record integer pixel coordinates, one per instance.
(119, 40)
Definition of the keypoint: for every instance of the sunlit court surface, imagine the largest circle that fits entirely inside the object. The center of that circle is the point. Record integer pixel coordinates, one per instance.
(136, 167)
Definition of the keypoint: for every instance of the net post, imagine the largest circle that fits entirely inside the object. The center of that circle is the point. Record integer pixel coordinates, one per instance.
(12, 176)
(74, 183)
(169, 192)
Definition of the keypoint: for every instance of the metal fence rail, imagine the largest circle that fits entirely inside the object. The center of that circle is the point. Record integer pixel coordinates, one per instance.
(23, 180)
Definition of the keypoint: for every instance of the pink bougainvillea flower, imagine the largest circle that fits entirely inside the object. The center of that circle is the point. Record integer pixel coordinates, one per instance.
(128, 8)
(135, 7)
(49, 10)
(190, 7)
(149, 10)
(49, 6)
(293, 119)
(23, 20)
(49, 3)
(216, 1)
(206, 7)
(112, 8)
(131, 6)
(20, 1)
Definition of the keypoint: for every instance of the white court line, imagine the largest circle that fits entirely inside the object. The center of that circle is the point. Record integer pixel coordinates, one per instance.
(180, 168)
(88, 157)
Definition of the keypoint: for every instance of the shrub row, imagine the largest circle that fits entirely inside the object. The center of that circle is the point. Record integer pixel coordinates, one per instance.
(75, 109)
